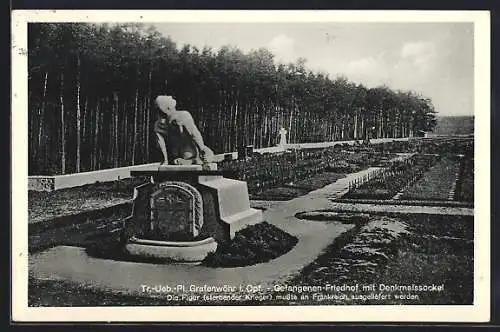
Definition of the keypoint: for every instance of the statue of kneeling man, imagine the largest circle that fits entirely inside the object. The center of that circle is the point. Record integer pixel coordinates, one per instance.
(179, 139)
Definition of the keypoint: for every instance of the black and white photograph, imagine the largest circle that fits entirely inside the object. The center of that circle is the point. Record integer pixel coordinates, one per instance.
(251, 165)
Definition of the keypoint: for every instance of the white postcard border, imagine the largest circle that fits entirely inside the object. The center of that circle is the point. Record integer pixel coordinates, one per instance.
(479, 312)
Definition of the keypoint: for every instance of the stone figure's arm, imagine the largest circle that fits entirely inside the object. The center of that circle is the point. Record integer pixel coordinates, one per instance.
(163, 147)
(161, 132)
(190, 126)
(193, 131)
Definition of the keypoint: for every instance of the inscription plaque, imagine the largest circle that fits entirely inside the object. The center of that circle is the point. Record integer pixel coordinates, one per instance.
(171, 211)
(176, 209)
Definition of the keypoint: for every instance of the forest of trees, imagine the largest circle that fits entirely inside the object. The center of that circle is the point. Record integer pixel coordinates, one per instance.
(92, 87)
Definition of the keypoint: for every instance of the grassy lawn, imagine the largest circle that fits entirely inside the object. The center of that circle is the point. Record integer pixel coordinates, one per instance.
(454, 271)
(47, 205)
(76, 234)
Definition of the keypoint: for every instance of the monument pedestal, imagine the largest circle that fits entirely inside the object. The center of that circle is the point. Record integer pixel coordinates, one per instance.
(184, 211)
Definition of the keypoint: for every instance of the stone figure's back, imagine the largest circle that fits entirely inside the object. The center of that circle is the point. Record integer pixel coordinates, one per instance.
(179, 142)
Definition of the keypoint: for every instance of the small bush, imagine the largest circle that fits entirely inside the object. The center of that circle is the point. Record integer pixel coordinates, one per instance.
(252, 245)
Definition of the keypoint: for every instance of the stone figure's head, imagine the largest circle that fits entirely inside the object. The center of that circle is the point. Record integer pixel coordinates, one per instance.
(166, 104)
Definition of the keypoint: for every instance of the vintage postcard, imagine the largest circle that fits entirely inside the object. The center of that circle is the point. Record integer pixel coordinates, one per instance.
(256, 166)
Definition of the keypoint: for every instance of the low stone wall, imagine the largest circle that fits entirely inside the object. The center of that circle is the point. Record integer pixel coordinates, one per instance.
(56, 182)
(329, 144)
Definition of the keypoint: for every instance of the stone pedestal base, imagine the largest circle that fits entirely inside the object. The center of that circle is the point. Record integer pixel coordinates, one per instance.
(191, 252)
(184, 211)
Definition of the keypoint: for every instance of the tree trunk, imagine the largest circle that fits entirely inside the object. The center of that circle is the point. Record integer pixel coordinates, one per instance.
(78, 118)
(136, 114)
(63, 125)
(254, 124)
(125, 135)
(95, 165)
(236, 131)
(85, 131)
(355, 135)
(363, 128)
(380, 125)
(229, 122)
(41, 145)
(148, 116)
(142, 140)
(116, 152)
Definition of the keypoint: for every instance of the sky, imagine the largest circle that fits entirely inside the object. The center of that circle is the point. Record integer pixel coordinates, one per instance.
(433, 59)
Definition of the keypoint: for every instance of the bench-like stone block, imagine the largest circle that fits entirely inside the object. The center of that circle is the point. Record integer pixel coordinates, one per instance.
(233, 203)
(242, 219)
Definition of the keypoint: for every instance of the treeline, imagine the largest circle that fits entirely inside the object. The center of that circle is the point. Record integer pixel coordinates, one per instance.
(92, 88)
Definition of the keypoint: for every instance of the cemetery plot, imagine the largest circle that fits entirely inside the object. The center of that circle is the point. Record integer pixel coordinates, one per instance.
(295, 189)
(264, 171)
(446, 177)
(465, 184)
(388, 182)
(287, 175)
(435, 184)
(441, 146)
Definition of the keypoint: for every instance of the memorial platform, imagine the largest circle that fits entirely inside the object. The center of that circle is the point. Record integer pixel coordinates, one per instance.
(186, 202)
